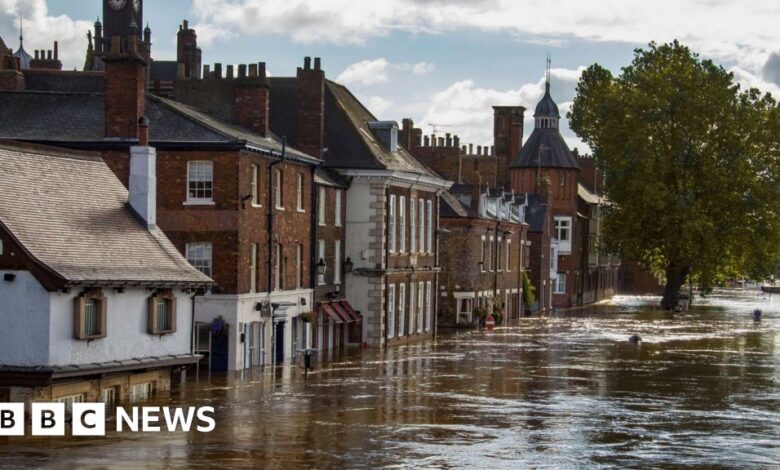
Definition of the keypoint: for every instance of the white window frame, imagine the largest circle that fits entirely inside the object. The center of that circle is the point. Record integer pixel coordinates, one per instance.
(278, 190)
(412, 225)
(200, 171)
(401, 309)
(420, 306)
(277, 266)
(321, 256)
(483, 252)
(337, 215)
(253, 268)
(255, 186)
(391, 225)
(557, 289)
(402, 223)
(508, 256)
(298, 266)
(422, 226)
(391, 311)
(428, 305)
(203, 263)
(321, 206)
(430, 226)
(499, 264)
(299, 193)
(142, 392)
(492, 250)
(337, 262)
(564, 244)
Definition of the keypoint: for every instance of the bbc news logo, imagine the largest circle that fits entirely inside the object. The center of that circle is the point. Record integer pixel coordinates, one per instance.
(89, 419)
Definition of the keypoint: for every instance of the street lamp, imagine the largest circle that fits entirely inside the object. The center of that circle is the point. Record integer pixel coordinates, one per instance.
(348, 265)
(321, 267)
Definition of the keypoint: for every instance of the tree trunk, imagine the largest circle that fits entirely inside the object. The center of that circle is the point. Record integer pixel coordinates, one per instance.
(675, 279)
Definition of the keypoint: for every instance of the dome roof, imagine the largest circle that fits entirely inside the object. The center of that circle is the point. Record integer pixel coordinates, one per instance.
(545, 148)
(24, 58)
(547, 107)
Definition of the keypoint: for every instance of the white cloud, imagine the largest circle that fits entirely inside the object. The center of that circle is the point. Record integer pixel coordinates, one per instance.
(369, 72)
(41, 30)
(378, 105)
(366, 72)
(467, 108)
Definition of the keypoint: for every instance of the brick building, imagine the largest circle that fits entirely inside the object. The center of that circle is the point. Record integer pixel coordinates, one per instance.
(392, 200)
(232, 197)
(484, 263)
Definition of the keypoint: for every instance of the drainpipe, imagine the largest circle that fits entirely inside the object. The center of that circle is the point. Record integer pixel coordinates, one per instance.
(435, 289)
(271, 212)
(313, 245)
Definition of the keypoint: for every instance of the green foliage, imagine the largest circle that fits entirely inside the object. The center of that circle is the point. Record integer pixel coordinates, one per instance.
(529, 291)
(691, 165)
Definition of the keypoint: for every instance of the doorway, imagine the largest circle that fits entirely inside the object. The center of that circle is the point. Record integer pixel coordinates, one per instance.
(279, 343)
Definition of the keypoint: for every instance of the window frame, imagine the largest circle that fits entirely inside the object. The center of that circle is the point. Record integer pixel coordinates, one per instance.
(189, 247)
(255, 186)
(564, 245)
(321, 255)
(299, 193)
(557, 287)
(391, 311)
(392, 229)
(194, 200)
(420, 306)
(337, 215)
(401, 309)
(79, 315)
(278, 189)
(298, 266)
(253, 268)
(402, 223)
(321, 206)
(337, 262)
(429, 305)
(153, 312)
(431, 223)
(421, 215)
(412, 225)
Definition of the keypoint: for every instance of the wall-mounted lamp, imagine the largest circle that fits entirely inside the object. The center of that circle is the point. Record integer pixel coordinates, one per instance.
(321, 267)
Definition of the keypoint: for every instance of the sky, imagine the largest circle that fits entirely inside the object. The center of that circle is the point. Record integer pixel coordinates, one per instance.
(438, 62)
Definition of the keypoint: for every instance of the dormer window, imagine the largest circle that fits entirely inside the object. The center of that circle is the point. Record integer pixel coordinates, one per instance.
(387, 133)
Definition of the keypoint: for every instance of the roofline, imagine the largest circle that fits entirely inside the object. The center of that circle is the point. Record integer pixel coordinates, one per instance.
(401, 177)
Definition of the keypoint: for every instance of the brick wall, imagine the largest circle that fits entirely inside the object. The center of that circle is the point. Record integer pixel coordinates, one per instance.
(329, 233)
(125, 93)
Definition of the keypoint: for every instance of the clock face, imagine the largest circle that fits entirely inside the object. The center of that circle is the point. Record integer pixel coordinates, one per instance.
(137, 6)
(117, 4)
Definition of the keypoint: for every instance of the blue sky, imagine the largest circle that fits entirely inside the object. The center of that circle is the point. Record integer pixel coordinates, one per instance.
(442, 62)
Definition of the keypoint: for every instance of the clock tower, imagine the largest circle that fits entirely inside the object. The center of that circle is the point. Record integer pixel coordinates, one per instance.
(123, 18)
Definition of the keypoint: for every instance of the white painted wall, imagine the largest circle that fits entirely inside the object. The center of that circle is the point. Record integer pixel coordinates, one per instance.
(359, 222)
(238, 309)
(24, 316)
(127, 336)
(38, 326)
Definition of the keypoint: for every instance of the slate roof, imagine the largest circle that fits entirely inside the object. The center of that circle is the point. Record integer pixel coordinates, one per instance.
(3, 48)
(451, 207)
(535, 213)
(546, 106)
(163, 70)
(64, 81)
(350, 142)
(68, 211)
(328, 177)
(547, 144)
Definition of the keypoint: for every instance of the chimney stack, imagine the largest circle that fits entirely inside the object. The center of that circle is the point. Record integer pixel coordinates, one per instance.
(125, 88)
(142, 187)
(311, 108)
(251, 106)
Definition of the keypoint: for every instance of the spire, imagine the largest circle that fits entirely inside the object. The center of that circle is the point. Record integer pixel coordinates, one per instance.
(547, 74)
(21, 36)
(547, 114)
(21, 54)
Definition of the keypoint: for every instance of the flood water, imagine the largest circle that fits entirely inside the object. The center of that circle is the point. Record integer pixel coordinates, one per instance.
(567, 391)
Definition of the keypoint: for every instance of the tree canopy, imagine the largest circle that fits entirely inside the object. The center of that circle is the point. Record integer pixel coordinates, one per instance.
(691, 164)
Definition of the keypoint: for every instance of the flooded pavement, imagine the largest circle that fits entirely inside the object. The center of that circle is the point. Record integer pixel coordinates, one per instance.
(567, 391)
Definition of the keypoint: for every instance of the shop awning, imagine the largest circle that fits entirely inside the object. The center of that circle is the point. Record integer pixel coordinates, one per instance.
(356, 316)
(330, 312)
(341, 311)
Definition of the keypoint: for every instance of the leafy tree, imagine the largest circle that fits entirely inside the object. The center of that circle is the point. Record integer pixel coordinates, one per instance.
(691, 164)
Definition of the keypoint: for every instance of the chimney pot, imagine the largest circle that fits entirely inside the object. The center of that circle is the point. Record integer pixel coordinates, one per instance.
(143, 131)
(261, 72)
(36, 54)
(252, 70)
(217, 71)
(56, 51)
(317, 63)
(186, 24)
(206, 71)
(307, 63)
(479, 150)
(49, 54)
(471, 149)
(242, 71)
(426, 141)
(441, 142)
(229, 71)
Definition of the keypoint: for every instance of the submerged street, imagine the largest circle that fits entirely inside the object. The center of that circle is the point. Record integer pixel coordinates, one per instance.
(567, 391)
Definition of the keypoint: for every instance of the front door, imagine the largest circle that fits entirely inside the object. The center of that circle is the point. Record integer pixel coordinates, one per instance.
(279, 343)
(249, 345)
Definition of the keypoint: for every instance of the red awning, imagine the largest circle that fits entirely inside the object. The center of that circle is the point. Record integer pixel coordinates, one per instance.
(356, 316)
(346, 316)
(332, 313)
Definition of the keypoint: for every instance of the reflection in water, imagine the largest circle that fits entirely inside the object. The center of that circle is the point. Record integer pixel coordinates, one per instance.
(565, 391)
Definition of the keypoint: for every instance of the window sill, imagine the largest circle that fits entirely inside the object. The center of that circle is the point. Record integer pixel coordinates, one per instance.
(258, 206)
(302, 210)
(198, 203)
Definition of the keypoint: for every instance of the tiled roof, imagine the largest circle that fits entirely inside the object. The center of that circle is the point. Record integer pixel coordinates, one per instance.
(451, 207)
(80, 117)
(350, 142)
(327, 177)
(64, 81)
(68, 211)
(545, 148)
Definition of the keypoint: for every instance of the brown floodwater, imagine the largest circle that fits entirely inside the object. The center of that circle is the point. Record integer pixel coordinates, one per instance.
(565, 391)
